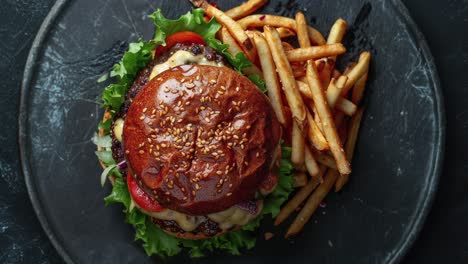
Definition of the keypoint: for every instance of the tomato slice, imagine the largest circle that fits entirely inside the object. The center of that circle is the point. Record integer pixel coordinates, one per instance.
(180, 37)
(143, 200)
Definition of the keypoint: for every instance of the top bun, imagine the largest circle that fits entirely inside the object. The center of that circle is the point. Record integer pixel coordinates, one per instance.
(200, 139)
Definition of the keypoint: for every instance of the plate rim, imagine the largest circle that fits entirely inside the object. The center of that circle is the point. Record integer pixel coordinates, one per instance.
(421, 212)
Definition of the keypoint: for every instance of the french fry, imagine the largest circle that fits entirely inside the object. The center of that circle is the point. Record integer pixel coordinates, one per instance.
(301, 29)
(328, 125)
(346, 106)
(350, 145)
(300, 179)
(333, 93)
(324, 159)
(297, 146)
(300, 196)
(358, 90)
(337, 31)
(234, 48)
(271, 78)
(285, 73)
(315, 52)
(314, 134)
(312, 203)
(234, 28)
(285, 32)
(357, 71)
(342, 104)
(325, 74)
(310, 163)
(260, 20)
(245, 9)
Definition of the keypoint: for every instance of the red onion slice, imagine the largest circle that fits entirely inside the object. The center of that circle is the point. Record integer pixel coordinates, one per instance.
(122, 164)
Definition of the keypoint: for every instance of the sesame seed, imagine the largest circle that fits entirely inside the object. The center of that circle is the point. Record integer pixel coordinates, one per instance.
(213, 81)
(193, 192)
(246, 163)
(166, 90)
(223, 88)
(257, 155)
(142, 117)
(167, 193)
(127, 151)
(207, 119)
(219, 172)
(220, 92)
(174, 91)
(185, 198)
(144, 109)
(228, 194)
(189, 85)
(141, 151)
(230, 185)
(149, 140)
(197, 186)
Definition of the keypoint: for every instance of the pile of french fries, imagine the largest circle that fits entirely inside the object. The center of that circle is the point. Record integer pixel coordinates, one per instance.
(317, 105)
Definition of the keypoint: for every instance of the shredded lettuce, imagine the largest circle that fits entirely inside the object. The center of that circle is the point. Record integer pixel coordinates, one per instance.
(154, 240)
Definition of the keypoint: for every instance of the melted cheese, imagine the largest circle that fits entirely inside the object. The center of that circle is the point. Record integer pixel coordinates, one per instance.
(182, 57)
(226, 219)
(118, 129)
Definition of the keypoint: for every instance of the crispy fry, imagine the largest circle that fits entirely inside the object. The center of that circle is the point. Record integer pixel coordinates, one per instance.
(337, 31)
(296, 201)
(285, 32)
(333, 93)
(245, 9)
(260, 20)
(271, 78)
(300, 179)
(234, 48)
(325, 74)
(312, 203)
(310, 163)
(357, 71)
(323, 110)
(324, 159)
(353, 132)
(315, 52)
(234, 28)
(359, 87)
(285, 73)
(297, 146)
(301, 29)
(346, 106)
(314, 134)
(342, 104)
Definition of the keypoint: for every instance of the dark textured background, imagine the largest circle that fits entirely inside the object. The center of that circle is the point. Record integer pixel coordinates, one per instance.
(443, 237)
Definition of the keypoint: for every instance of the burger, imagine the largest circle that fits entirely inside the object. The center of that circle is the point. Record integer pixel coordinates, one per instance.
(195, 143)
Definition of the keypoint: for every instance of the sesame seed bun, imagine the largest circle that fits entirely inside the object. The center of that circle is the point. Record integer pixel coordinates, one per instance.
(200, 139)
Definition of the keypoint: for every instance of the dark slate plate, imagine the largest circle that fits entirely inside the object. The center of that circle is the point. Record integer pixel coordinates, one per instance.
(374, 220)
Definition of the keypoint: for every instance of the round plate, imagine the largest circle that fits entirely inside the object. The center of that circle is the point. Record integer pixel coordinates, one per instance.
(374, 220)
